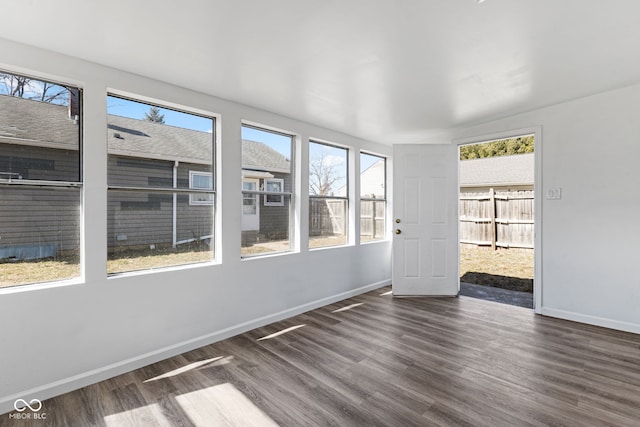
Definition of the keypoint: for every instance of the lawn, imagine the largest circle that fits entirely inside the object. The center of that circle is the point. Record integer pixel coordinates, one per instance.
(503, 268)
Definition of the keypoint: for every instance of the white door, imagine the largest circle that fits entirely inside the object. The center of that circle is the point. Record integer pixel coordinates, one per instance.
(250, 205)
(425, 239)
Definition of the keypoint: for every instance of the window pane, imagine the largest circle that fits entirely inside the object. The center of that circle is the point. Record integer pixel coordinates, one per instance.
(39, 234)
(372, 194)
(372, 219)
(155, 147)
(142, 232)
(266, 167)
(327, 222)
(372, 176)
(327, 170)
(40, 127)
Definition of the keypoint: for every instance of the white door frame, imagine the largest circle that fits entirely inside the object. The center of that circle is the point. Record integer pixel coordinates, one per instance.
(536, 131)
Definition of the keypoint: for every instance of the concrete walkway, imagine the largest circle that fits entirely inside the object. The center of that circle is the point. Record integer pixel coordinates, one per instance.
(504, 296)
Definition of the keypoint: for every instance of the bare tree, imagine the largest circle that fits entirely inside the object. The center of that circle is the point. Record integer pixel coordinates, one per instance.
(322, 176)
(26, 87)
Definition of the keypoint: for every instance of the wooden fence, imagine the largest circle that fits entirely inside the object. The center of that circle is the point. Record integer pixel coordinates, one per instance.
(372, 218)
(497, 218)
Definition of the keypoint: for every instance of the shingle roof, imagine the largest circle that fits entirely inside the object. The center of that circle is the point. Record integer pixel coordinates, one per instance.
(496, 171)
(48, 124)
(37, 122)
(141, 138)
(258, 156)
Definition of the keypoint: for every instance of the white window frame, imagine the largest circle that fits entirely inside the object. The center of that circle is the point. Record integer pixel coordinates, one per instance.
(280, 198)
(193, 201)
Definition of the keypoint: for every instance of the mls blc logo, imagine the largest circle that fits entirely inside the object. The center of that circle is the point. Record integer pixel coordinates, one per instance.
(21, 405)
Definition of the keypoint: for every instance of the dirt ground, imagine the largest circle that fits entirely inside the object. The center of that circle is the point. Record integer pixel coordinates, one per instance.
(504, 268)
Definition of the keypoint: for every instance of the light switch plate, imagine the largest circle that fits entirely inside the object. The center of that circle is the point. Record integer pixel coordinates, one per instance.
(554, 193)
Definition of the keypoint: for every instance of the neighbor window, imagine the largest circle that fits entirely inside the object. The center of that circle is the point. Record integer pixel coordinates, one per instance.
(40, 180)
(328, 195)
(161, 195)
(201, 181)
(373, 197)
(267, 173)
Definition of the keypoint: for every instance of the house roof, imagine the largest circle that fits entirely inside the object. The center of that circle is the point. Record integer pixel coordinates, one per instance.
(37, 123)
(142, 138)
(498, 171)
(258, 156)
(48, 125)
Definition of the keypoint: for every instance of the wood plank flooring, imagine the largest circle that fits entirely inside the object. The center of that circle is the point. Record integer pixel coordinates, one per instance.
(374, 360)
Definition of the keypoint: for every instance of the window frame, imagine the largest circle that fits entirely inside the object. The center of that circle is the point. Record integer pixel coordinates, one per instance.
(346, 198)
(18, 181)
(374, 199)
(174, 191)
(291, 229)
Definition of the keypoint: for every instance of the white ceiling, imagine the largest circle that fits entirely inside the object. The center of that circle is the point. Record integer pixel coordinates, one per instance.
(392, 71)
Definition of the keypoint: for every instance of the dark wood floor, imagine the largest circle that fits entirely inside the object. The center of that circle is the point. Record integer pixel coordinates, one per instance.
(377, 360)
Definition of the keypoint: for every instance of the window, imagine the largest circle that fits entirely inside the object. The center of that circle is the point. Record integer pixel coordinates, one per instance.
(161, 194)
(328, 195)
(274, 185)
(373, 202)
(267, 171)
(201, 181)
(40, 180)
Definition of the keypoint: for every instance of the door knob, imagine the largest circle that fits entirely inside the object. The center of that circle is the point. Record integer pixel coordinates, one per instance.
(398, 231)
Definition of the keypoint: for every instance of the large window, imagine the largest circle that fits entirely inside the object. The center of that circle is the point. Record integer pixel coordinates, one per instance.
(373, 197)
(328, 195)
(40, 180)
(267, 176)
(161, 195)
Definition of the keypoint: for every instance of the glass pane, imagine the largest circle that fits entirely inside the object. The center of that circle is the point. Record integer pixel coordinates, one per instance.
(266, 166)
(40, 130)
(151, 146)
(142, 233)
(327, 170)
(201, 181)
(372, 176)
(327, 222)
(39, 234)
(267, 230)
(372, 220)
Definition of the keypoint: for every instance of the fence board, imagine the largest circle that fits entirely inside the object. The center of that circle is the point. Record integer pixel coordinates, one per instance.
(502, 218)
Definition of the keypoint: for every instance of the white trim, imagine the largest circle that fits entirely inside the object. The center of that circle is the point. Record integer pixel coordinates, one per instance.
(536, 131)
(93, 376)
(592, 320)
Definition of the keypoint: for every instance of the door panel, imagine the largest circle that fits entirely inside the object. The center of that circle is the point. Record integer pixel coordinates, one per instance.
(425, 252)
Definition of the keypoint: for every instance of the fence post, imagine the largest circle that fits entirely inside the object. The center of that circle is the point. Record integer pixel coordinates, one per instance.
(492, 208)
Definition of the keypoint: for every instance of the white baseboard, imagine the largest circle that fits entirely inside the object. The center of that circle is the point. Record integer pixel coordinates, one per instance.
(592, 320)
(100, 374)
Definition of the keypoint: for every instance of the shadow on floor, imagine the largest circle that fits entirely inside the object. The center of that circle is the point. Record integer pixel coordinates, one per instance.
(504, 296)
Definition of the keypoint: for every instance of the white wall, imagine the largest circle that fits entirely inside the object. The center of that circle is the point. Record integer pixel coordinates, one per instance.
(590, 150)
(56, 338)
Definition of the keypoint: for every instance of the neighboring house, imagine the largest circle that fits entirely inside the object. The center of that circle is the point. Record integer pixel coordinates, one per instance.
(40, 141)
(264, 216)
(500, 173)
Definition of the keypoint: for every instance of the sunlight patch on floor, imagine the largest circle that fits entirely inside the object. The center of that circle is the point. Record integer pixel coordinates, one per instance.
(222, 405)
(149, 414)
(349, 307)
(195, 365)
(284, 331)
